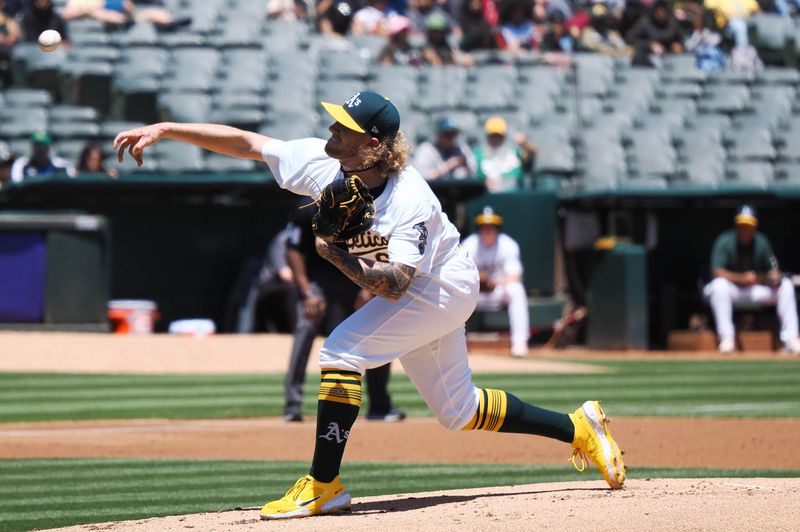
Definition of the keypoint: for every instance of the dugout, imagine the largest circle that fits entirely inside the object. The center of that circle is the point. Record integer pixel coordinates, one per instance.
(54, 270)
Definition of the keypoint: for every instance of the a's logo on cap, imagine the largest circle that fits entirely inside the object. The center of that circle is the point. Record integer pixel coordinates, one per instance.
(375, 130)
(354, 100)
(747, 211)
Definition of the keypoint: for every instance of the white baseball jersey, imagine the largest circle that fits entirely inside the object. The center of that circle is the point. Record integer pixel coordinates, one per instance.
(410, 227)
(423, 329)
(498, 261)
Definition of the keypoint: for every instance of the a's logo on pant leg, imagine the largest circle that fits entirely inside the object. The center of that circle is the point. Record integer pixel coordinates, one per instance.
(334, 433)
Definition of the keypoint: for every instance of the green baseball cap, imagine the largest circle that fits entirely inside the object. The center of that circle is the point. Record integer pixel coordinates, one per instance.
(367, 112)
(41, 137)
(436, 22)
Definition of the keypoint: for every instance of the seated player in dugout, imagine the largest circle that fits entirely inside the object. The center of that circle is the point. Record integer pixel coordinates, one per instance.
(744, 269)
(500, 269)
(426, 288)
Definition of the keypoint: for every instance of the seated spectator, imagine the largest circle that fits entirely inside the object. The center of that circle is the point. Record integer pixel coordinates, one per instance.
(437, 50)
(447, 157)
(10, 34)
(40, 163)
(500, 269)
(477, 33)
(120, 12)
(335, 17)
(420, 11)
(655, 34)
(556, 38)
(12, 8)
(732, 15)
(40, 16)
(599, 37)
(372, 19)
(399, 51)
(500, 164)
(289, 10)
(744, 268)
(517, 27)
(91, 160)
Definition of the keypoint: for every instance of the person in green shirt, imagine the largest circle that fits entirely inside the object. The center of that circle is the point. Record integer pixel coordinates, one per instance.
(745, 270)
(503, 164)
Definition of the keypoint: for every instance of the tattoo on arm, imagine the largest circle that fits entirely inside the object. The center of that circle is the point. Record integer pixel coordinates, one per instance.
(389, 280)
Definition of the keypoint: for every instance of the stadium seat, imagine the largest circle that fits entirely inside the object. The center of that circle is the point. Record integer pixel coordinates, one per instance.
(338, 65)
(248, 119)
(221, 163)
(771, 76)
(143, 61)
(750, 174)
(790, 148)
(724, 99)
(71, 130)
(288, 130)
(682, 107)
(15, 98)
(489, 97)
(179, 39)
(750, 143)
(21, 122)
(178, 157)
(682, 67)
(88, 84)
(652, 154)
(140, 34)
(709, 122)
(703, 172)
(680, 89)
(184, 107)
(89, 54)
(769, 33)
(787, 173)
(134, 96)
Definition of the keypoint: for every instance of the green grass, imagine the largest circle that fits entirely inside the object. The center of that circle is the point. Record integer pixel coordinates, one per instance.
(719, 388)
(61, 492)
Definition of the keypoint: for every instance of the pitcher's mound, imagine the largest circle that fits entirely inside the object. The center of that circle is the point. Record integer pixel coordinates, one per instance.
(657, 504)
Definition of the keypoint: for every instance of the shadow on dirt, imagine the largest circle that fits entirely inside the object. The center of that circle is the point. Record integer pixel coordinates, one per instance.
(417, 503)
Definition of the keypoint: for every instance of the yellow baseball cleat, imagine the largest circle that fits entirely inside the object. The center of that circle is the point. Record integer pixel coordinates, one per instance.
(593, 441)
(309, 497)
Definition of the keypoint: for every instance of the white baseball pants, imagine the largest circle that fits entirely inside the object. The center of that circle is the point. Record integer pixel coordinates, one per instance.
(513, 296)
(722, 294)
(424, 329)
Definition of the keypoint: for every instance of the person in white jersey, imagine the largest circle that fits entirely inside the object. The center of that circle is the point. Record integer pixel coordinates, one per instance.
(497, 257)
(426, 288)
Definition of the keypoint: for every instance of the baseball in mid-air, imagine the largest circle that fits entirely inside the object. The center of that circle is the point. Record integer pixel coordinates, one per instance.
(49, 40)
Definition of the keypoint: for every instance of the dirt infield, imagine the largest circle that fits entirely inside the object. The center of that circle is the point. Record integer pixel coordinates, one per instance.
(657, 504)
(658, 442)
(163, 354)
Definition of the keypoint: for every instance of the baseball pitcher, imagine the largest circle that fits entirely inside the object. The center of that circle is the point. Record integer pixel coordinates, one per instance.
(401, 247)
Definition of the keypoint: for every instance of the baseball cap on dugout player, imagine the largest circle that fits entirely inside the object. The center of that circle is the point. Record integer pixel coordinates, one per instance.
(488, 217)
(367, 112)
(746, 215)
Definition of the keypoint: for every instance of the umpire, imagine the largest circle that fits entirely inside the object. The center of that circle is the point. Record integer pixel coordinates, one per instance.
(326, 298)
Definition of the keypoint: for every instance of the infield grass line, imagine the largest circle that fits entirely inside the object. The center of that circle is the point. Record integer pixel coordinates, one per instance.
(716, 388)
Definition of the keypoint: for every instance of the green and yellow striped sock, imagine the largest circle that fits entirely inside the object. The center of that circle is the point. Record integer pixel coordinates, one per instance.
(500, 411)
(337, 410)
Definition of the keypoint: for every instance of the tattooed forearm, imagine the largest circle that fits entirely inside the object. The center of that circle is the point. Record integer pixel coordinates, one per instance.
(387, 280)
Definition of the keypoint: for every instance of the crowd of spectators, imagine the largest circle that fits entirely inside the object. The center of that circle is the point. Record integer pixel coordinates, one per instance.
(448, 32)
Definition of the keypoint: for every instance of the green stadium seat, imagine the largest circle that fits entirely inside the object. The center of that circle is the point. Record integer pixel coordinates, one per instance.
(184, 107)
(178, 157)
(180, 39)
(15, 98)
(248, 119)
(342, 65)
(680, 89)
(288, 130)
(71, 130)
(88, 84)
(69, 149)
(652, 154)
(140, 34)
(221, 163)
(724, 99)
(88, 54)
(749, 173)
(787, 173)
(771, 76)
(681, 67)
(709, 122)
(750, 143)
(134, 95)
(147, 61)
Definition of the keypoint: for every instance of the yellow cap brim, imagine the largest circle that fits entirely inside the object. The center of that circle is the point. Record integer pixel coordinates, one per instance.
(340, 115)
(491, 219)
(746, 219)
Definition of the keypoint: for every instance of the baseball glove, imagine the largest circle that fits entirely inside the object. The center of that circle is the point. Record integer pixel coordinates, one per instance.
(345, 210)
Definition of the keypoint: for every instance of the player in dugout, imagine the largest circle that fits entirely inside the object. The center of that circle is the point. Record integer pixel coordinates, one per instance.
(426, 287)
(745, 270)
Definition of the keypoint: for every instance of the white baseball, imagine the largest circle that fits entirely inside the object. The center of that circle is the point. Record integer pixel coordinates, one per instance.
(49, 40)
